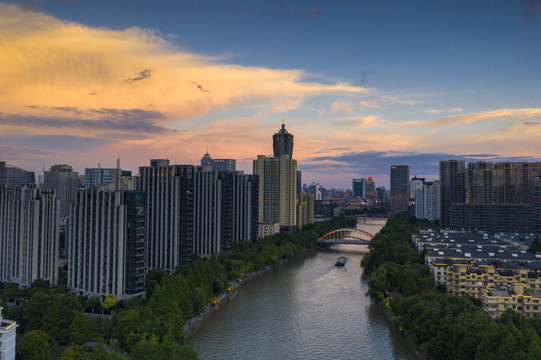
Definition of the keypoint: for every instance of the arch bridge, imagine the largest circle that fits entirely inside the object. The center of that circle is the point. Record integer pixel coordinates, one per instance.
(346, 236)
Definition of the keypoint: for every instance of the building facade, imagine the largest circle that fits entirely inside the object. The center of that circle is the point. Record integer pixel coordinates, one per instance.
(106, 244)
(282, 143)
(277, 189)
(65, 182)
(427, 201)
(28, 235)
(13, 176)
(358, 187)
(399, 188)
(210, 164)
(452, 188)
(305, 210)
(169, 213)
(496, 196)
(8, 338)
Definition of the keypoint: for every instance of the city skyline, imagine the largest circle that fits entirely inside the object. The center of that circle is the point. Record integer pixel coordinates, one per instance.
(360, 85)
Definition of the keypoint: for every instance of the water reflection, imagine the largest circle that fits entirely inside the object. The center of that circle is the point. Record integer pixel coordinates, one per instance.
(309, 309)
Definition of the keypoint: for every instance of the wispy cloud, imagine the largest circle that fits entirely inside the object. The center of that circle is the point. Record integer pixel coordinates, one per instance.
(476, 117)
(437, 111)
(342, 106)
(371, 104)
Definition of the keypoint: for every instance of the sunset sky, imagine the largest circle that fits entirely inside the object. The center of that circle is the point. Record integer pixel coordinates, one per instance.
(361, 84)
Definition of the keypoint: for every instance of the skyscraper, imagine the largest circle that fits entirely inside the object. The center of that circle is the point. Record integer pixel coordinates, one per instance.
(282, 143)
(278, 182)
(370, 187)
(277, 189)
(106, 243)
(415, 183)
(225, 210)
(169, 213)
(28, 235)
(65, 182)
(452, 187)
(427, 201)
(358, 187)
(399, 188)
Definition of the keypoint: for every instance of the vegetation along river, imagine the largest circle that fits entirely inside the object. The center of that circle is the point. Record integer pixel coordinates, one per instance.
(308, 309)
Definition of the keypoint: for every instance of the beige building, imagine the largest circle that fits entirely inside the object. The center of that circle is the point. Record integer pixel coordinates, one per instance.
(266, 229)
(277, 189)
(519, 297)
(305, 210)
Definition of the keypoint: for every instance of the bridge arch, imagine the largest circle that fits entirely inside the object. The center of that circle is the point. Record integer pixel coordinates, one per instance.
(346, 236)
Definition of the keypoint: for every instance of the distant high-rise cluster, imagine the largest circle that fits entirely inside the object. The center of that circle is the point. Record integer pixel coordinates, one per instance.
(490, 196)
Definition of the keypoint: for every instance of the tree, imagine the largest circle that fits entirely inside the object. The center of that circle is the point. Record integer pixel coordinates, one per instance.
(78, 330)
(109, 302)
(75, 352)
(536, 246)
(92, 302)
(35, 346)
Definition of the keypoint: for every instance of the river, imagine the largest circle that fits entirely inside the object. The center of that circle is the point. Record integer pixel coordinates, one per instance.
(308, 309)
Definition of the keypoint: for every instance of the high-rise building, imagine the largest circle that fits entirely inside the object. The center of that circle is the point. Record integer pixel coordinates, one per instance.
(427, 201)
(537, 204)
(8, 338)
(415, 183)
(382, 194)
(370, 187)
(102, 176)
(452, 187)
(518, 180)
(278, 182)
(13, 176)
(305, 210)
(282, 143)
(65, 182)
(225, 210)
(399, 188)
(106, 243)
(240, 208)
(299, 182)
(169, 213)
(28, 235)
(210, 164)
(277, 189)
(500, 197)
(358, 187)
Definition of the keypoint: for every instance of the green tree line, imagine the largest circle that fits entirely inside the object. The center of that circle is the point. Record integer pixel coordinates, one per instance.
(440, 325)
(150, 328)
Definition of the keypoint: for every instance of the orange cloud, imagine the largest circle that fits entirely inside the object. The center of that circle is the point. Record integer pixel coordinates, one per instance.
(51, 63)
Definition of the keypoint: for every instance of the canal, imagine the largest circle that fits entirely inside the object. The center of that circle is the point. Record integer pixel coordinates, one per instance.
(308, 309)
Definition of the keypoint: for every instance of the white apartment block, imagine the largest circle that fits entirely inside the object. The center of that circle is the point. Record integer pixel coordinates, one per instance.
(28, 235)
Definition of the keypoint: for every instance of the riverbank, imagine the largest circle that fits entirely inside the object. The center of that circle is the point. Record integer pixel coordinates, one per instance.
(195, 323)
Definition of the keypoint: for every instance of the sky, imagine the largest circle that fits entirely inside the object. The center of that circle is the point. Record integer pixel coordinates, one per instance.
(362, 85)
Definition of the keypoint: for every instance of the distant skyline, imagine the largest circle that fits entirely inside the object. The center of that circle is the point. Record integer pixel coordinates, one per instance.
(362, 85)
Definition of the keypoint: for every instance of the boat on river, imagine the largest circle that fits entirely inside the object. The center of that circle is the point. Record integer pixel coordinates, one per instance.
(341, 261)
